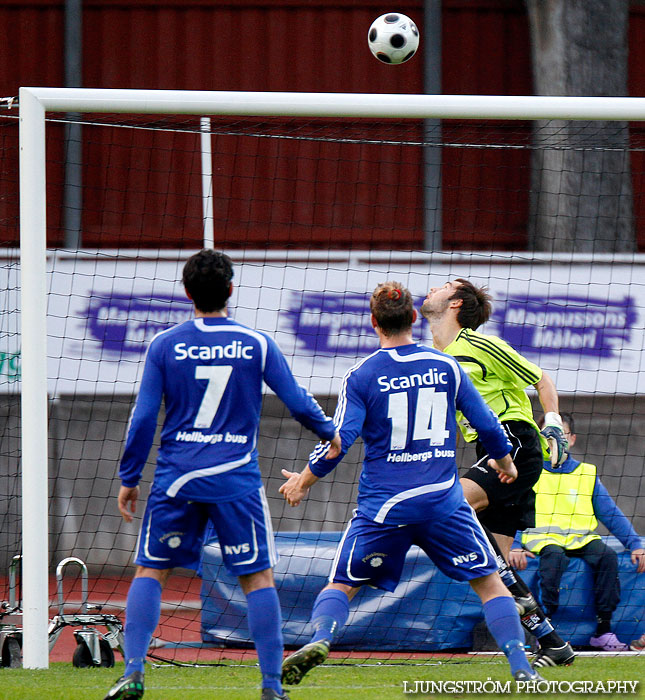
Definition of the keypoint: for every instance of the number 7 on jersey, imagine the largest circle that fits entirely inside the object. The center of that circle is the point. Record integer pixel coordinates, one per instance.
(218, 377)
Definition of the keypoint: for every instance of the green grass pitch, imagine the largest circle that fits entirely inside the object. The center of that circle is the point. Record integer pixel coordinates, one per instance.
(351, 681)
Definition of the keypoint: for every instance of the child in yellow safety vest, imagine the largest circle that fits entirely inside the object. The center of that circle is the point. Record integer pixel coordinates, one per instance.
(570, 500)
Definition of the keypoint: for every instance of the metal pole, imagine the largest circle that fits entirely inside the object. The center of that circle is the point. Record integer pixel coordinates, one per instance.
(73, 187)
(33, 319)
(340, 104)
(432, 199)
(207, 182)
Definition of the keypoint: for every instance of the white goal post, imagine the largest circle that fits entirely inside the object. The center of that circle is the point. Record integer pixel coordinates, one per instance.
(35, 102)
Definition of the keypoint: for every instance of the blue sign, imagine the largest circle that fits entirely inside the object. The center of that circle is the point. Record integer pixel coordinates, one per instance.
(125, 324)
(567, 324)
(332, 323)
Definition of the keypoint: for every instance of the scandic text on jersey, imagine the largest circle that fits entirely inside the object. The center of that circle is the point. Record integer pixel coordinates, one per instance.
(235, 350)
(433, 376)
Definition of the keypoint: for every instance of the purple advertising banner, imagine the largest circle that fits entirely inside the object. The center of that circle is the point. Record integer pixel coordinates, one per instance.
(332, 323)
(567, 324)
(124, 324)
(584, 325)
(329, 323)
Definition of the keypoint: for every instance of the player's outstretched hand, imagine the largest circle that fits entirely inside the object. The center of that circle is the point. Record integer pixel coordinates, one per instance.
(517, 558)
(128, 496)
(293, 490)
(505, 468)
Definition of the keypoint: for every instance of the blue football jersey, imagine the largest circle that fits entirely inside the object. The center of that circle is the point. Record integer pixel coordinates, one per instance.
(209, 373)
(402, 401)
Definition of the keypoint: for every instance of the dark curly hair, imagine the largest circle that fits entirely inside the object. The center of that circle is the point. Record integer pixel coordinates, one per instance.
(476, 306)
(207, 278)
(393, 307)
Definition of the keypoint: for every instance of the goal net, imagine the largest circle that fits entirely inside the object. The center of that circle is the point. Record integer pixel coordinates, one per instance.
(314, 211)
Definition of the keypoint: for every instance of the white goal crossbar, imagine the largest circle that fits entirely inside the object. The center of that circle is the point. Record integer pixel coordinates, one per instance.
(34, 102)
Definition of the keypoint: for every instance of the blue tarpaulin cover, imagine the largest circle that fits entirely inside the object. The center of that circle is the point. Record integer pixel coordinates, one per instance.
(427, 612)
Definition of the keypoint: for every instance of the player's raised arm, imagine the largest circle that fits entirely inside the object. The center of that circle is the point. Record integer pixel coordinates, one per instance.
(301, 404)
(553, 430)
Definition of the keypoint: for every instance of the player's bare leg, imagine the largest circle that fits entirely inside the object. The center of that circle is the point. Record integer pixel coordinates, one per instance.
(474, 494)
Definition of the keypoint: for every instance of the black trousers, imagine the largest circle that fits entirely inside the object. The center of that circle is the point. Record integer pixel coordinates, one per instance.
(553, 562)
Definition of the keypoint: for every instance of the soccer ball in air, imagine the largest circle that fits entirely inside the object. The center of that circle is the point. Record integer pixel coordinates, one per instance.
(393, 38)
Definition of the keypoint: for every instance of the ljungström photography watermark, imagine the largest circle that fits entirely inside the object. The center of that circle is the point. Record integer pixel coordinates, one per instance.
(490, 687)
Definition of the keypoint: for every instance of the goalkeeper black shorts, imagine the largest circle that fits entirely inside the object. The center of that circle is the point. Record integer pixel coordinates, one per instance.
(511, 506)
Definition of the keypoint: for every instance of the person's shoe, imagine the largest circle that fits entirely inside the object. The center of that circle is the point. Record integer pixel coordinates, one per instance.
(525, 604)
(638, 644)
(295, 667)
(270, 694)
(127, 687)
(554, 656)
(608, 642)
(522, 675)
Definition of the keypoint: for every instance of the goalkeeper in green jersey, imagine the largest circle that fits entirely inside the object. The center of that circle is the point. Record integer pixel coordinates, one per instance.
(454, 312)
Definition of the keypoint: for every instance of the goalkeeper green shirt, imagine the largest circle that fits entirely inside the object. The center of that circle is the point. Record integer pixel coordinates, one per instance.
(500, 374)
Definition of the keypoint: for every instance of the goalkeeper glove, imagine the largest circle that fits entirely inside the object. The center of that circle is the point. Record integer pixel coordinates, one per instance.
(553, 431)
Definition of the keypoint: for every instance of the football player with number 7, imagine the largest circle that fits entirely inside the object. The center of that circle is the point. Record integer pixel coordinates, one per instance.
(209, 372)
(455, 311)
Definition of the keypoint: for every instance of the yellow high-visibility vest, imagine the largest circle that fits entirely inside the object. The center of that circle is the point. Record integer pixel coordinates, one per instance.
(564, 512)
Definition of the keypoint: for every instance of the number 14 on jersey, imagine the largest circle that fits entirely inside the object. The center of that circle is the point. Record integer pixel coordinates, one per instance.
(429, 417)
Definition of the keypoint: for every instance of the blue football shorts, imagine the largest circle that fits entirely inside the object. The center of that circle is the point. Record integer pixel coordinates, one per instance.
(172, 533)
(374, 553)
